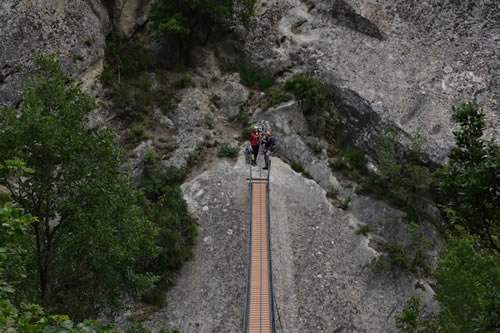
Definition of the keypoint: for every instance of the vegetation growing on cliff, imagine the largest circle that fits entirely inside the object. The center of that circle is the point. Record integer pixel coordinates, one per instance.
(190, 20)
(313, 98)
(468, 272)
(470, 180)
(93, 237)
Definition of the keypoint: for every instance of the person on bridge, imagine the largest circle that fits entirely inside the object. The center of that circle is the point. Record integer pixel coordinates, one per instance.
(255, 143)
(269, 144)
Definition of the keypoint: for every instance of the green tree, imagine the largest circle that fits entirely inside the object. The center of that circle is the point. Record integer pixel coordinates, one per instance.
(470, 181)
(468, 291)
(28, 317)
(164, 205)
(90, 237)
(187, 19)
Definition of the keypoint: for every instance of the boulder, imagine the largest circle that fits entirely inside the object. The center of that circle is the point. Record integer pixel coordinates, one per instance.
(230, 96)
(192, 110)
(129, 15)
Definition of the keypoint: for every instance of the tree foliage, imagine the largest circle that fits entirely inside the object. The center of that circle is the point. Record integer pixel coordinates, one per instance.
(313, 98)
(187, 20)
(470, 182)
(468, 292)
(27, 317)
(163, 203)
(183, 17)
(468, 271)
(311, 94)
(90, 236)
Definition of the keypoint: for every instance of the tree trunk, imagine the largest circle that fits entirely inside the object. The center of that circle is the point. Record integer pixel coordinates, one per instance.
(44, 285)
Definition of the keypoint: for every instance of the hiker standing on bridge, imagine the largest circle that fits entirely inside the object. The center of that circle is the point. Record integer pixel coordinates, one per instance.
(255, 141)
(268, 144)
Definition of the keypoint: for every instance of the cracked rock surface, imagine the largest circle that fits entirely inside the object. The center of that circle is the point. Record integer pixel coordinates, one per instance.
(410, 61)
(319, 278)
(74, 31)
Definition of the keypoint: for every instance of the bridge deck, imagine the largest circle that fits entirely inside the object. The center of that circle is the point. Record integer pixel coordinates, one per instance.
(259, 312)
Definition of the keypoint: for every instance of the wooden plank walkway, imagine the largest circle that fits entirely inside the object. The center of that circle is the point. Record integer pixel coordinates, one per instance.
(259, 314)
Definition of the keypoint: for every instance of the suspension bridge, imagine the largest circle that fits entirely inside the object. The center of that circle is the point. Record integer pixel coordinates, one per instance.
(260, 302)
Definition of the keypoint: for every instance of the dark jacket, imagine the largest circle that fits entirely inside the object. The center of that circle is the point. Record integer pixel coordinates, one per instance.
(269, 143)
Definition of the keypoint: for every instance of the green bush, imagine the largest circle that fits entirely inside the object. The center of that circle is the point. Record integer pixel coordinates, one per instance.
(187, 22)
(227, 150)
(194, 158)
(127, 74)
(353, 163)
(310, 93)
(395, 260)
(163, 204)
(138, 133)
(363, 230)
(298, 167)
(256, 80)
(357, 160)
(127, 60)
(164, 98)
(412, 321)
(277, 97)
(137, 328)
(183, 82)
(108, 77)
(340, 164)
(265, 81)
(4, 198)
(344, 204)
(144, 94)
(151, 157)
(245, 134)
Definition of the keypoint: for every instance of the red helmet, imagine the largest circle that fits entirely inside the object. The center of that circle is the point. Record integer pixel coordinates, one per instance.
(268, 133)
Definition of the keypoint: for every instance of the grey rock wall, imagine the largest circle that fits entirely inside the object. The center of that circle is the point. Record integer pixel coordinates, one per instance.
(320, 281)
(74, 31)
(409, 61)
(129, 15)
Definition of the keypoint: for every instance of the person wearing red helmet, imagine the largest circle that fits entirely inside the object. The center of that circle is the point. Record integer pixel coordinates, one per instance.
(269, 144)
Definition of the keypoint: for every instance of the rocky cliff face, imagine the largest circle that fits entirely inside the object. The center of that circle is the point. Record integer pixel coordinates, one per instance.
(74, 31)
(406, 62)
(392, 63)
(128, 15)
(320, 281)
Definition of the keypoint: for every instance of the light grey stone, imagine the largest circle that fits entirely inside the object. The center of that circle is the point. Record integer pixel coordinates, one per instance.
(129, 15)
(404, 64)
(192, 110)
(319, 279)
(74, 32)
(230, 97)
